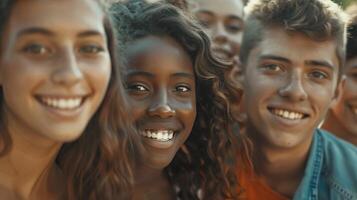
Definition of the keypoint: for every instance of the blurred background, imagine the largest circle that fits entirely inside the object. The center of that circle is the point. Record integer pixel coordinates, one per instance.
(344, 3)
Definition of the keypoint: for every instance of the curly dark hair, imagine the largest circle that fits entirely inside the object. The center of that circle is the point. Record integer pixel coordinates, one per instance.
(207, 160)
(90, 164)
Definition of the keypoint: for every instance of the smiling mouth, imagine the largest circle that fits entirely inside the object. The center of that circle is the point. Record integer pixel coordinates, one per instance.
(158, 135)
(287, 114)
(61, 103)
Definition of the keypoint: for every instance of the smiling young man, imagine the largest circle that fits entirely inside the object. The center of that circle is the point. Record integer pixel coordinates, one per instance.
(292, 52)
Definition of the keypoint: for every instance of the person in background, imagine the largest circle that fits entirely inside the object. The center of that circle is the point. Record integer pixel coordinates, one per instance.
(62, 124)
(180, 98)
(342, 117)
(292, 56)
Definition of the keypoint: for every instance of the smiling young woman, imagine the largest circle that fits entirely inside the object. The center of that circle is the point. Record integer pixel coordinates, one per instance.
(61, 103)
(180, 100)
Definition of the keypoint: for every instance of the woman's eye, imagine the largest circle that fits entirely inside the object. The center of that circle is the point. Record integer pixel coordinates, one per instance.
(91, 49)
(233, 28)
(318, 75)
(183, 88)
(37, 49)
(137, 87)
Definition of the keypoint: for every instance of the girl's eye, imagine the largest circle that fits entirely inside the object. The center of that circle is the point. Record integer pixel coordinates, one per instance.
(183, 88)
(318, 75)
(233, 28)
(36, 49)
(91, 49)
(137, 88)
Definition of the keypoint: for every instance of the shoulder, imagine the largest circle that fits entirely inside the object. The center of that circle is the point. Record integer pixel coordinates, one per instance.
(339, 164)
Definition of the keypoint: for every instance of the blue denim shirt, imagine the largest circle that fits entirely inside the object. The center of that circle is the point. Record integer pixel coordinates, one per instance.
(331, 170)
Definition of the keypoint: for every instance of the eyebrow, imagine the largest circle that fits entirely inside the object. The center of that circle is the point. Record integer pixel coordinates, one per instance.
(233, 17)
(183, 74)
(139, 73)
(90, 33)
(35, 30)
(319, 63)
(206, 12)
(274, 57)
(46, 32)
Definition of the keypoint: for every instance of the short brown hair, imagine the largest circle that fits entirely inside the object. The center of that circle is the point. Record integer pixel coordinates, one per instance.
(320, 20)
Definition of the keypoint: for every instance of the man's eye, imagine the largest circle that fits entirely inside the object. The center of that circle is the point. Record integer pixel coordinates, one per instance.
(272, 67)
(37, 49)
(318, 75)
(91, 49)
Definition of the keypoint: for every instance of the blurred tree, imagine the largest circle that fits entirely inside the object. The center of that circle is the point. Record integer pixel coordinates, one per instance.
(345, 3)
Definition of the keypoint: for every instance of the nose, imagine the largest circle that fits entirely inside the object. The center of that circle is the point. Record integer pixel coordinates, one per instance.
(160, 106)
(68, 72)
(219, 34)
(294, 88)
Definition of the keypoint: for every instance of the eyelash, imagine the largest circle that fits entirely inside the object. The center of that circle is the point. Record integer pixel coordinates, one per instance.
(91, 49)
(36, 49)
(269, 67)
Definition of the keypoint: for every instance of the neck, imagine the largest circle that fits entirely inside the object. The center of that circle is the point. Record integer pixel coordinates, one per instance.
(333, 125)
(151, 184)
(282, 169)
(29, 169)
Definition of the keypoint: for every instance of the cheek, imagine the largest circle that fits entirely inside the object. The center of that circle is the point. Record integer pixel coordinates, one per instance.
(187, 112)
(98, 75)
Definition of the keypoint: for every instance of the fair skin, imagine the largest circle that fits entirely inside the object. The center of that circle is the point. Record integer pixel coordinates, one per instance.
(342, 118)
(223, 23)
(161, 85)
(293, 90)
(54, 74)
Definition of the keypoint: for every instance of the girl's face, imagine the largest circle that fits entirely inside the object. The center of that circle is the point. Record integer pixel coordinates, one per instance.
(55, 67)
(161, 85)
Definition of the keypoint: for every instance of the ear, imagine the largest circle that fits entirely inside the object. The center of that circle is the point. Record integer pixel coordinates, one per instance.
(339, 91)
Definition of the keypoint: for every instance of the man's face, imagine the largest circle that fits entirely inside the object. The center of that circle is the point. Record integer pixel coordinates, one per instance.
(290, 82)
(345, 109)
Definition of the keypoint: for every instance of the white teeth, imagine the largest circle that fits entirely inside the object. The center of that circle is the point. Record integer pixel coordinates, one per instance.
(161, 135)
(61, 103)
(288, 114)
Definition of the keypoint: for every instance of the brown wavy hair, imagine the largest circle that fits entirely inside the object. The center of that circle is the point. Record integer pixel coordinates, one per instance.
(206, 162)
(320, 20)
(98, 165)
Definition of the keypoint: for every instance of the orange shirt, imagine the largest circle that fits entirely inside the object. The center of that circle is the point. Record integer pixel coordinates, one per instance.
(254, 189)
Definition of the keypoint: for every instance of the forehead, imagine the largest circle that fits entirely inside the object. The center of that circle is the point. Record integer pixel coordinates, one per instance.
(62, 15)
(297, 47)
(159, 51)
(221, 7)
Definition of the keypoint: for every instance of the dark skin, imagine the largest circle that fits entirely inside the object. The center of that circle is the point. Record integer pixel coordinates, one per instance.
(293, 90)
(161, 85)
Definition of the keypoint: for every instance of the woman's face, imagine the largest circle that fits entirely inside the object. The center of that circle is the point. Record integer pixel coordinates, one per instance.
(223, 21)
(161, 85)
(55, 67)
